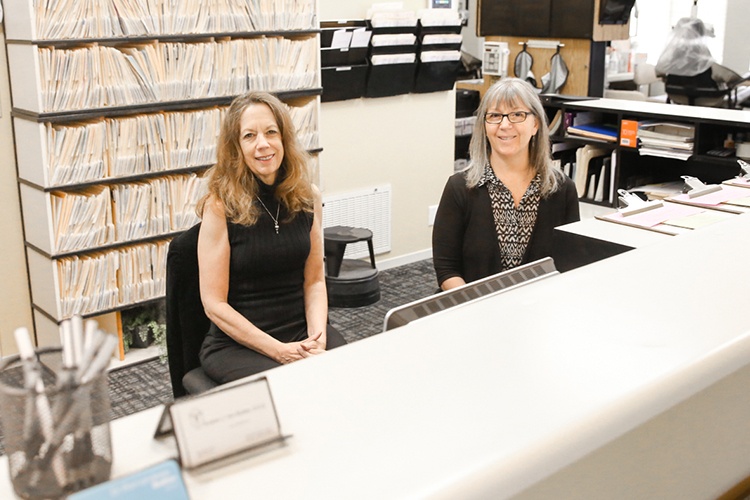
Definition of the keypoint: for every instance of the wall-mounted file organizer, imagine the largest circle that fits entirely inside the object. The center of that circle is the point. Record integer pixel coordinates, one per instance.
(436, 75)
(343, 55)
(439, 57)
(330, 57)
(390, 79)
(393, 61)
(344, 42)
(131, 152)
(343, 82)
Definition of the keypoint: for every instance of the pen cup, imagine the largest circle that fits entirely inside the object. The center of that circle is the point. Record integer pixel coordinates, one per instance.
(56, 433)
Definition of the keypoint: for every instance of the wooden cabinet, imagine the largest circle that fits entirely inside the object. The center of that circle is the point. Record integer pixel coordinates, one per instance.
(116, 118)
(537, 18)
(546, 19)
(572, 19)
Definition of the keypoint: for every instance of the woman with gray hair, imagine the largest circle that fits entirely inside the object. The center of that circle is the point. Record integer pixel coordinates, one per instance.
(501, 210)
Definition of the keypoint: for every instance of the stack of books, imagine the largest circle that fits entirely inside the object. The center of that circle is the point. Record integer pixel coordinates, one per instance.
(589, 125)
(600, 131)
(666, 139)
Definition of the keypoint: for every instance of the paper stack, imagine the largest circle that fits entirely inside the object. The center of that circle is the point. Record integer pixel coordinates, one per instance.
(666, 139)
(659, 191)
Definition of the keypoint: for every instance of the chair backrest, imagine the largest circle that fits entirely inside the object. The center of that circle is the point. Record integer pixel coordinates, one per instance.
(491, 285)
(630, 95)
(644, 74)
(187, 324)
(698, 90)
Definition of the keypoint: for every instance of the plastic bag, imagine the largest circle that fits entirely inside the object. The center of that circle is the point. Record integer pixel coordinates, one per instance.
(686, 52)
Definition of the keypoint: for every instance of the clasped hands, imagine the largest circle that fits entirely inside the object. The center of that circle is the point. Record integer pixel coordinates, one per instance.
(294, 351)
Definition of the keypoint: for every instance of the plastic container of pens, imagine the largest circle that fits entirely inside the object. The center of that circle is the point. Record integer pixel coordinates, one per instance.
(55, 419)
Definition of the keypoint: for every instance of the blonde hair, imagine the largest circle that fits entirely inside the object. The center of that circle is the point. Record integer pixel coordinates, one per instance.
(233, 184)
(513, 92)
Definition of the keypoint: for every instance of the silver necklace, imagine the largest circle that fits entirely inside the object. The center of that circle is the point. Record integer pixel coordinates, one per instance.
(275, 219)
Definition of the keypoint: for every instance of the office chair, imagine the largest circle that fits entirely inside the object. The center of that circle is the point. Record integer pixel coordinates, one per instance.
(715, 87)
(638, 89)
(187, 324)
(491, 285)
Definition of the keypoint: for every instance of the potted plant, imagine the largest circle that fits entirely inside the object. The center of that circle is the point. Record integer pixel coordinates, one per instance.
(143, 326)
(159, 335)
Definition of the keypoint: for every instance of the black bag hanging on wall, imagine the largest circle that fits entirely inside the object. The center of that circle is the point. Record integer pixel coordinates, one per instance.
(522, 66)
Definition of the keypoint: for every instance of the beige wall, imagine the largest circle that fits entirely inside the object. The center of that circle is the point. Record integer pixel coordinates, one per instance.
(404, 140)
(15, 304)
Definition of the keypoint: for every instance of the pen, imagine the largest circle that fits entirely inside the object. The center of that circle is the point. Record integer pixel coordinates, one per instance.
(91, 330)
(82, 452)
(28, 358)
(93, 342)
(30, 427)
(76, 326)
(33, 380)
(80, 402)
(41, 403)
(102, 358)
(68, 352)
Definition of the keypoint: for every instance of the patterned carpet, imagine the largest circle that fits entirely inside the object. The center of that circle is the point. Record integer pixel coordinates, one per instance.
(398, 286)
(141, 386)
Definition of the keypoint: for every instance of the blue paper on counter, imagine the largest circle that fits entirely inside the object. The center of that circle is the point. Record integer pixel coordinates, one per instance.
(162, 481)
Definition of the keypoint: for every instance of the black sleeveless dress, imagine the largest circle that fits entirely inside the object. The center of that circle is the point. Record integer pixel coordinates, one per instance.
(266, 278)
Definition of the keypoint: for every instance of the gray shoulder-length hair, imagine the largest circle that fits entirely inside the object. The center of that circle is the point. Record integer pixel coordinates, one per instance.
(512, 92)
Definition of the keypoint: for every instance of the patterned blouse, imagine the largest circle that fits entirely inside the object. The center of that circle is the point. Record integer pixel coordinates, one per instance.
(513, 225)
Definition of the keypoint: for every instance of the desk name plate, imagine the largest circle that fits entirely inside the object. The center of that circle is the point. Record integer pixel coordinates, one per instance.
(225, 422)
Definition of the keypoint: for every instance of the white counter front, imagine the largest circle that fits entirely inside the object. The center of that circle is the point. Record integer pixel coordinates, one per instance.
(501, 396)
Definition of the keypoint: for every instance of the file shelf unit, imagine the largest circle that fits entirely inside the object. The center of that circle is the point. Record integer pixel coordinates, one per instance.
(115, 120)
(629, 167)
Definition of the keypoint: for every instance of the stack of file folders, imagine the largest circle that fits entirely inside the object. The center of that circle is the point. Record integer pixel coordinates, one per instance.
(666, 139)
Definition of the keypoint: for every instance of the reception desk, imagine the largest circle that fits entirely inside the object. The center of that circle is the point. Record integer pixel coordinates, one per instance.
(625, 378)
(586, 241)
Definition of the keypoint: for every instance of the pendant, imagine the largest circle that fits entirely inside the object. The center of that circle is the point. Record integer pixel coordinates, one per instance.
(276, 227)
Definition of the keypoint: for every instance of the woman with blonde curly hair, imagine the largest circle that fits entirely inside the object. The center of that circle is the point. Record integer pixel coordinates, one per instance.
(260, 247)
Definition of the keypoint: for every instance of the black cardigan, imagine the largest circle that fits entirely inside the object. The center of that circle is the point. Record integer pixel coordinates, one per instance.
(464, 240)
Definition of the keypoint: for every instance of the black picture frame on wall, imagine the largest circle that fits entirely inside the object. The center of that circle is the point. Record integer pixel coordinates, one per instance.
(615, 11)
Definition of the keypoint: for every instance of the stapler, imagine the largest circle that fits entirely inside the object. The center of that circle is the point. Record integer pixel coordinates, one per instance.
(634, 204)
(745, 166)
(697, 188)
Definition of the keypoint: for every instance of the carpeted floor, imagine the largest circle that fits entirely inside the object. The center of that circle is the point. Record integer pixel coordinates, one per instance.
(141, 386)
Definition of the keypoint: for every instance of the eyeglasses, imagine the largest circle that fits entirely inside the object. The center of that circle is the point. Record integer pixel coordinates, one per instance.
(513, 117)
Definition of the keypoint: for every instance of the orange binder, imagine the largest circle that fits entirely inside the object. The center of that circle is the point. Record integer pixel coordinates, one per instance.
(629, 133)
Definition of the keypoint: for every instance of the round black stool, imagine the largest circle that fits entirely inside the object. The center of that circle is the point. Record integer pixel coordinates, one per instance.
(350, 282)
